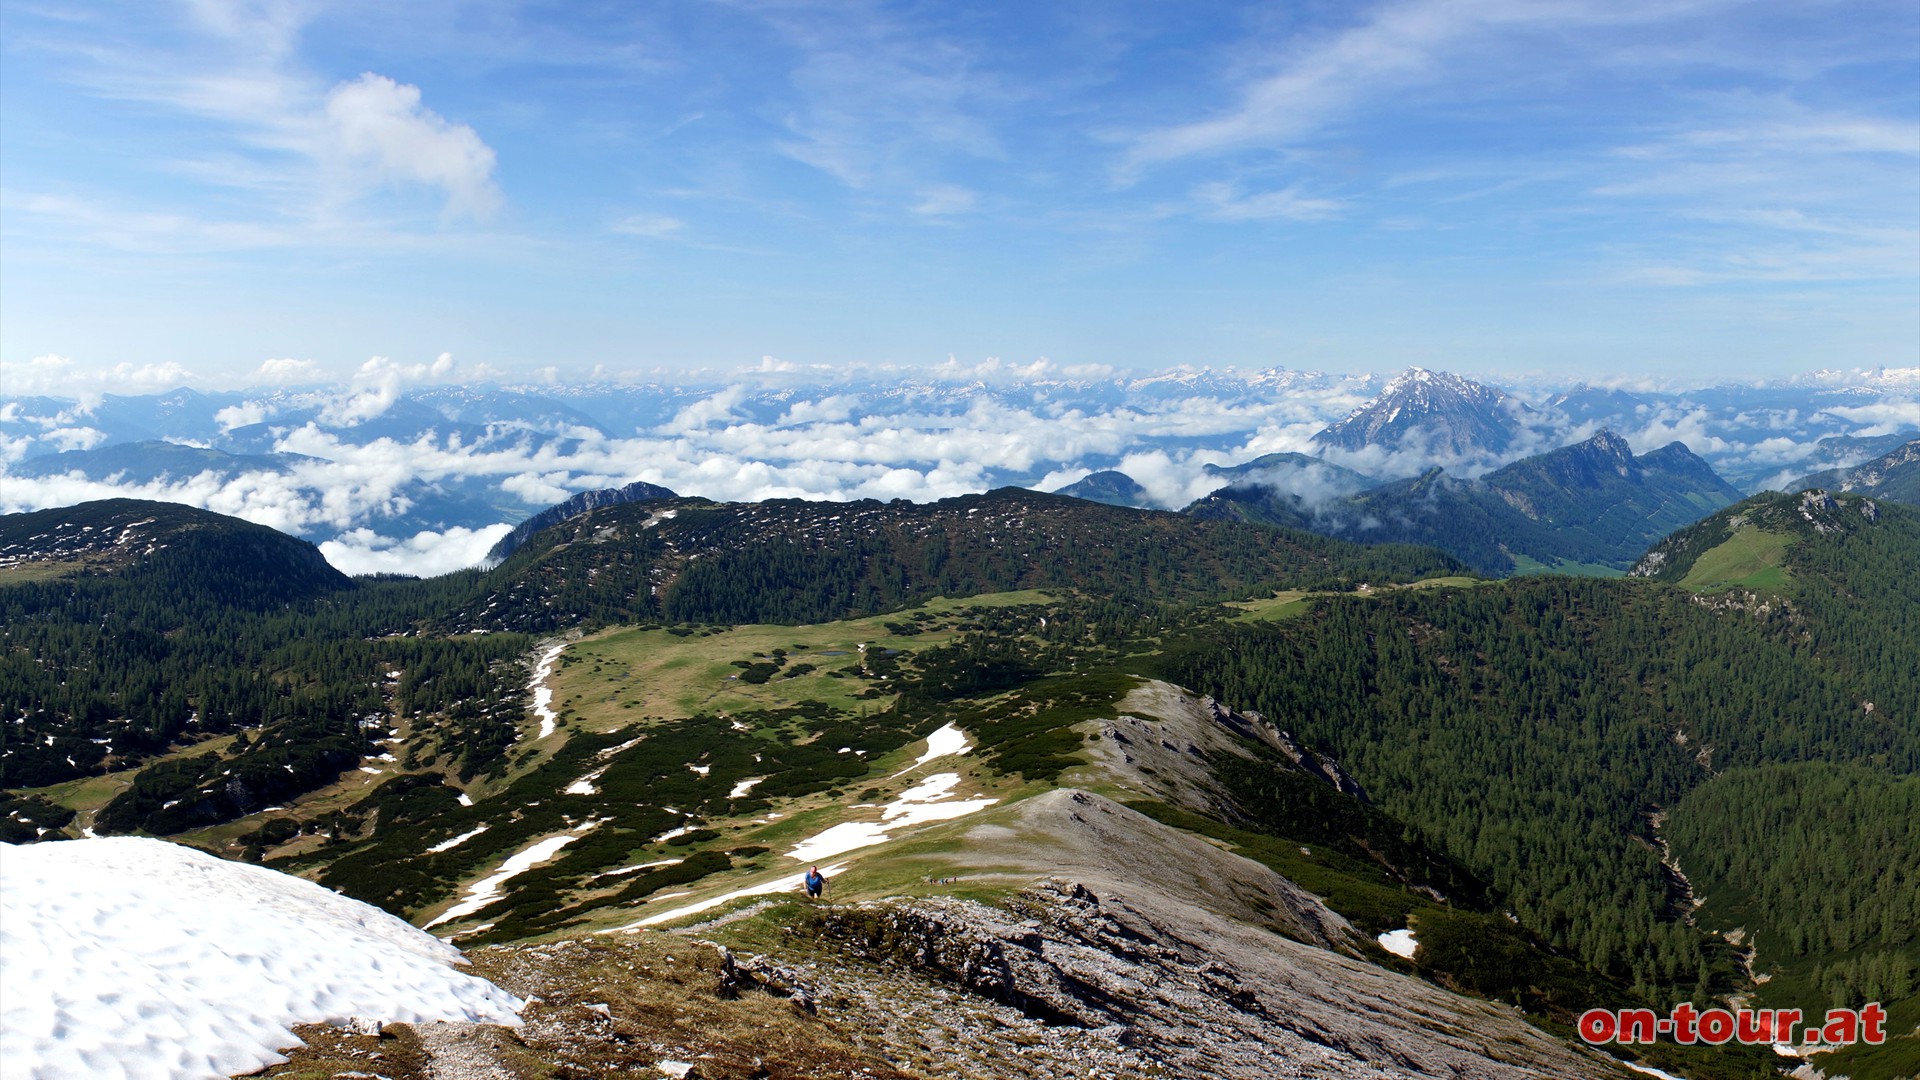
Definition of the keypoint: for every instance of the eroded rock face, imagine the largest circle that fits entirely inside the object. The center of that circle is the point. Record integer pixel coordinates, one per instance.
(1162, 739)
(1124, 987)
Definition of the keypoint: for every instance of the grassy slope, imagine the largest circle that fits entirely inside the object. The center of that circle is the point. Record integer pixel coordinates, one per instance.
(684, 689)
(615, 677)
(1750, 558)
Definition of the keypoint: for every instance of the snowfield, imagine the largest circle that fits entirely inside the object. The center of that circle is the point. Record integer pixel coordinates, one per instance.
(126, 958)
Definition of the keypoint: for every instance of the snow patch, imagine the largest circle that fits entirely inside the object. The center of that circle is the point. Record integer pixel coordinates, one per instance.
(917, 805)
(948, 740)
(542, 693)
(789, 883)
(204, 968)
(640, 866)
(487, 889)
(1399, 943)
(740, 789)
(584, 785)
(449, 845)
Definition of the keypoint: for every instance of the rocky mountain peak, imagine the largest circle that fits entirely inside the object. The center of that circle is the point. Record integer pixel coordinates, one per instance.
(1607, 442)
(638, 491)
(1442, 411)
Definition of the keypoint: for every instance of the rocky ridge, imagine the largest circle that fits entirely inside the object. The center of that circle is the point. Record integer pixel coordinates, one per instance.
(1061, 981)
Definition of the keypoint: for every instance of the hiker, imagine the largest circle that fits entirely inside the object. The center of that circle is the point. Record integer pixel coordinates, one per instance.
(816, 882)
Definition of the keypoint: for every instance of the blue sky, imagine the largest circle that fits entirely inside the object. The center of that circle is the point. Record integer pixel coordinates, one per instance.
(1636, 188)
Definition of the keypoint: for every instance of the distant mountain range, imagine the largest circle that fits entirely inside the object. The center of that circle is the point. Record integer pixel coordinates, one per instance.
(1835, 452)
(1292, 470)
(1592, 506)
(1585, 404)
(1893, 475)
(153, 460)
(432, 459)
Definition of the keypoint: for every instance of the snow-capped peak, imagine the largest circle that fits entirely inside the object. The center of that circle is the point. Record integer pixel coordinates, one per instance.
(1456, 415)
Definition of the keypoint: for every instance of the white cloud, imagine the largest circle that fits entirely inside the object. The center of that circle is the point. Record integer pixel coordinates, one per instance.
(1060, 478)
(830, 409)
(1322, 80)
(377, 385)
(1880, 417)
(147, 376)
(1088, 371)
(378, 126)
(1692, 427)
(38, 375)
(287, 370)
(881, 101)
(709, 411)
(244, 414)
(1173, 480)
(54, 374)
(424, 554)
(278, 501)
(75, 438)
(994, 369)
(303, 152)
(537, 488)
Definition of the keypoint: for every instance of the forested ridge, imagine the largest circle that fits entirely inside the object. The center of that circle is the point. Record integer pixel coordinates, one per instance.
(1544, 732)
(789, 560)
(135, 629)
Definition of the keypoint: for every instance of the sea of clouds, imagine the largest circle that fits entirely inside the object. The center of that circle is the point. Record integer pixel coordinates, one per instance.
(418, 469)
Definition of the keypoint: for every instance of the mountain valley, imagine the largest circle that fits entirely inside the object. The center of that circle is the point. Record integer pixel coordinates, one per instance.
(1020, 733)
